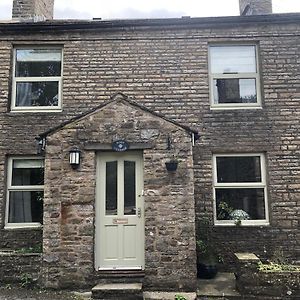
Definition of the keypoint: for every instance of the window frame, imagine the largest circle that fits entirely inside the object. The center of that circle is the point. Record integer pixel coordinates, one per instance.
(10, 187)
(262, 184)
(16, 79)
(235, 75)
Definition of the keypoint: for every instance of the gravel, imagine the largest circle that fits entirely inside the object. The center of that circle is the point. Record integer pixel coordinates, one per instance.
(11, 292)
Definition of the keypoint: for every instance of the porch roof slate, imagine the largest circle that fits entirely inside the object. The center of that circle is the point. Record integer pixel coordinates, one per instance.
(118, 97)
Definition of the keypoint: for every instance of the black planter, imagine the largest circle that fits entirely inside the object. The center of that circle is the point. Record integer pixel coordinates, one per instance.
(171, 166)
(206, 271)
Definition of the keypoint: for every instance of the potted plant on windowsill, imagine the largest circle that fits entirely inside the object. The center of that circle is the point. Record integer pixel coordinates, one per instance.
(226, 212)
(207, 258)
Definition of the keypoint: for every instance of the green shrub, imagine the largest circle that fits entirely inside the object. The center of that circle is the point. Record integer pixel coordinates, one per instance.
(26, 280)
(35, 249)
(273, 267)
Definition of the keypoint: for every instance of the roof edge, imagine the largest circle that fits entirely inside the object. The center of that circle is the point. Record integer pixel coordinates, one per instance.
(115, 98)
(179, 22)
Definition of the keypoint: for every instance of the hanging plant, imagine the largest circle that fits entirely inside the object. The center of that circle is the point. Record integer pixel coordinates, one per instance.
(172, 165)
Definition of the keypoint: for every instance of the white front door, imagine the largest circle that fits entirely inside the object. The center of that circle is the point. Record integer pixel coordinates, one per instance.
(119, 211)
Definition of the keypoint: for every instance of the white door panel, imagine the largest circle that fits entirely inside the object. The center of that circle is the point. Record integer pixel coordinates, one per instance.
(119, 201)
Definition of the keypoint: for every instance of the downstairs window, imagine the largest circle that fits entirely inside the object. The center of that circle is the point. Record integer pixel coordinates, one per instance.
(240, 189)
(25, 192)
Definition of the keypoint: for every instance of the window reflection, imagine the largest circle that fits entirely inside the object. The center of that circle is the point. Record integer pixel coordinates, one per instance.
(37, 93)
(243, 204)
(37, 78)
(129, 188)
(240, 188)
(235, 91)
(38, 62)
(111, 188)
(26, 191)
(238, 169)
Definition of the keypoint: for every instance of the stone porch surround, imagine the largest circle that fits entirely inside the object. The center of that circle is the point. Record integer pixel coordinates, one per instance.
(69, 217)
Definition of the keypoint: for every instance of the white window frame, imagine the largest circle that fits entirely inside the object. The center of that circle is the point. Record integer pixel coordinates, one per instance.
(15, 79)
(10, 188)
(262, 184)
(244, 75)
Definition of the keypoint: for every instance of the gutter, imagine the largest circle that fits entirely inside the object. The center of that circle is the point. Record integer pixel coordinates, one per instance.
(70, 25)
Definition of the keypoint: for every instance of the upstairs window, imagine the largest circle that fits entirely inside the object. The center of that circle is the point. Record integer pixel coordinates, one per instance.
(37, 79)
(234, 77)
(25, 193)
(240, 189)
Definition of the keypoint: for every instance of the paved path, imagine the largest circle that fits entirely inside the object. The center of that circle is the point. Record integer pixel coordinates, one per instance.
(8, 292)
(222, 285)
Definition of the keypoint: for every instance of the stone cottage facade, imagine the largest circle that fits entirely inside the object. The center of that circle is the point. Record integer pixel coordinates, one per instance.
(76, 231)
(220, 95)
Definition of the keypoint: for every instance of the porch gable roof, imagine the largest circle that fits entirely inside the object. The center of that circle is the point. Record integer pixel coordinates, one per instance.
(118, 97)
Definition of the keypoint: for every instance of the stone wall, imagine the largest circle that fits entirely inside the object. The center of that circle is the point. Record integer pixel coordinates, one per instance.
(273, 285)
(170, 258)
(23, 8)
(256, 7)
(27, 9)
(166, 69)
(25, 238)
(15, 267)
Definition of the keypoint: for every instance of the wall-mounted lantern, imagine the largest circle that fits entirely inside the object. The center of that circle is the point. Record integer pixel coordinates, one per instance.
(74, 157)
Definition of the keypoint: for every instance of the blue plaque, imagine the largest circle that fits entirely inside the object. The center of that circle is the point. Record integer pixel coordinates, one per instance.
(120, 146)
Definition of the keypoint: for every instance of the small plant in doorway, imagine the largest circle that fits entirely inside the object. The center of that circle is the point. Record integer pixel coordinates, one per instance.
(179, 297)
(26, 281)
(207, 257)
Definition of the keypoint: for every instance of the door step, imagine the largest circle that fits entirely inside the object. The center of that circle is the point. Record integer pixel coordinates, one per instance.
(118, 291)
(168, 295)
(220, 298)
(119, 276)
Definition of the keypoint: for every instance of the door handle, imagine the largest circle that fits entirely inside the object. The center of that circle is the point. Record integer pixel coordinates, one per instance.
(139, 212)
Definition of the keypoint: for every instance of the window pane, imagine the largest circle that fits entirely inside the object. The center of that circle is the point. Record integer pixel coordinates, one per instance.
(240, 204)
(38, 62)
(28, 172)
(129, 188)
(111, 188)
(28, 163)
(233, 59)
(235, 91)
(37, 93)
(25, 206)
(238, 169)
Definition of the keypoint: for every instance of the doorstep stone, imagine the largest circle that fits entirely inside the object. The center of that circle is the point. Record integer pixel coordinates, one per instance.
(83, 295)
(120, 291)
(247, 257)
(168, 295)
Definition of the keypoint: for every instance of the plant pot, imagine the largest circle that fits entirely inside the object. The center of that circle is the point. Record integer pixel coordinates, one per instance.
(171, 166)
(206, 271)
